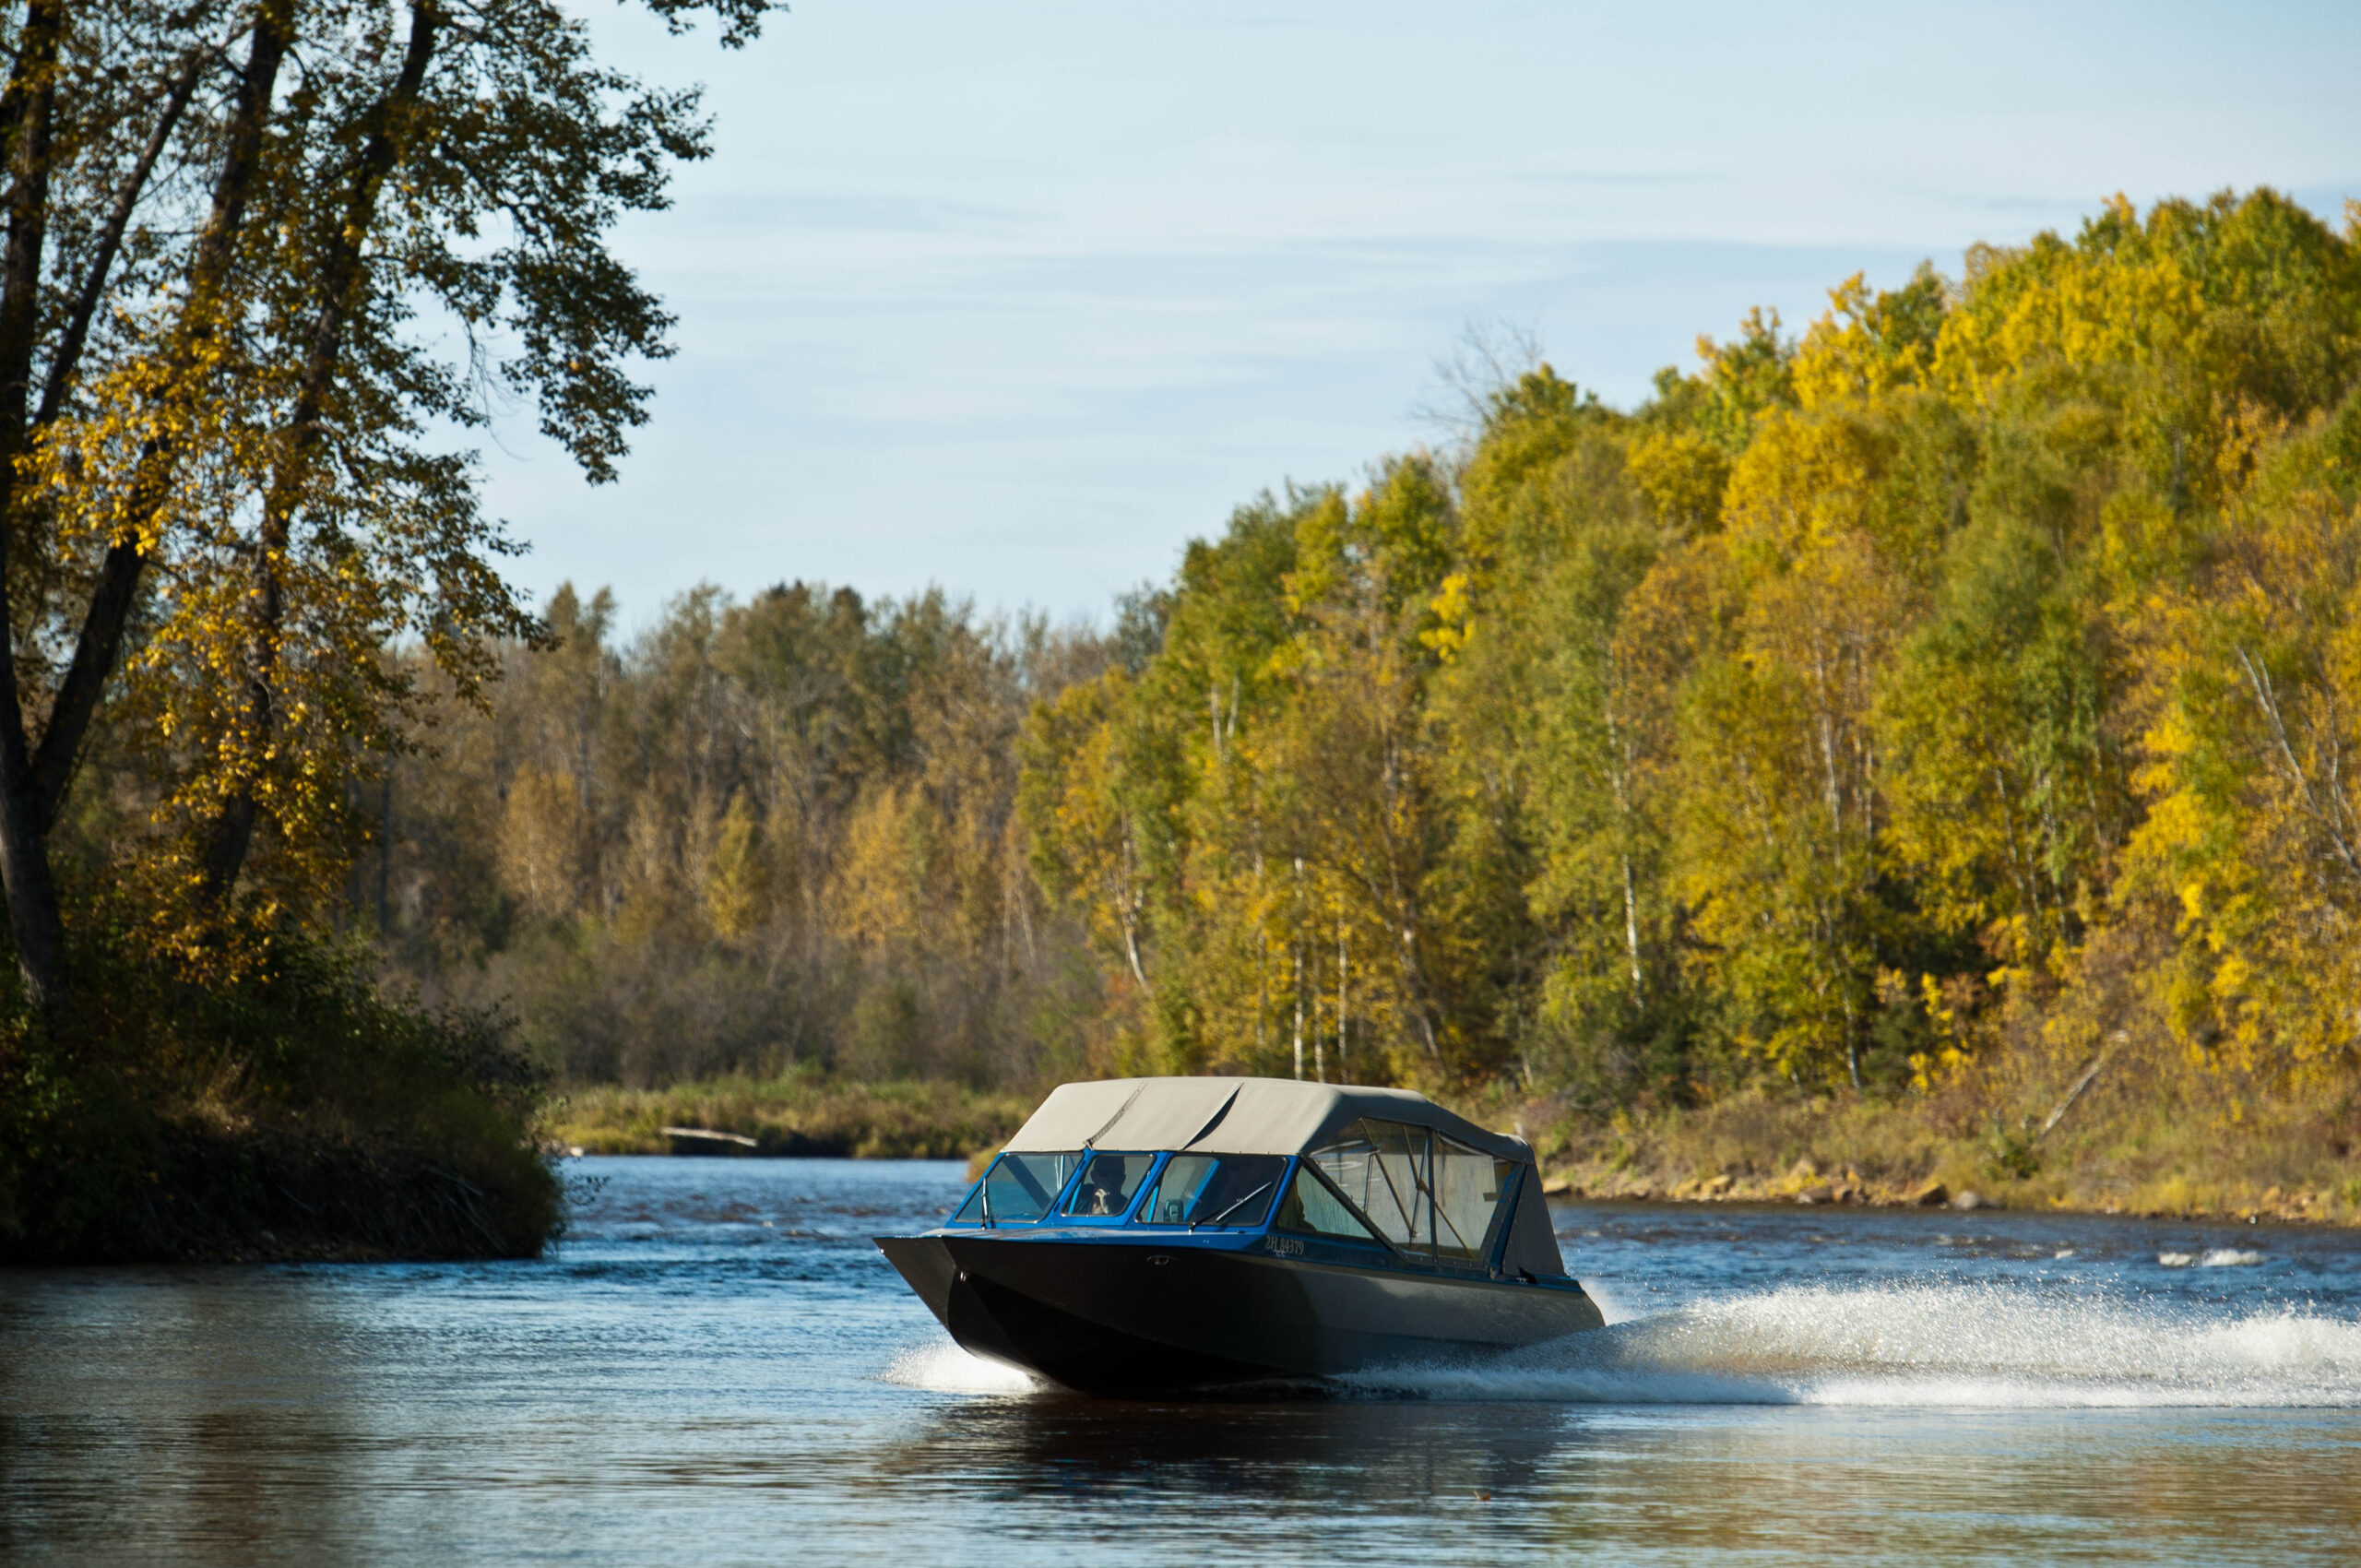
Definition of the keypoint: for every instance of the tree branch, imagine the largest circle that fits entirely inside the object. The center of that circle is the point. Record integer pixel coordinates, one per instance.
(94, 281)
(100, 642)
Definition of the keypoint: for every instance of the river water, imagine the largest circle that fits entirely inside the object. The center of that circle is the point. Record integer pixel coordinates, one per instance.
(716, 1367)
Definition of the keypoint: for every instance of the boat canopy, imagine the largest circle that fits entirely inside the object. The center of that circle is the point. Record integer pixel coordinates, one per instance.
(1345, 1129)
(1234, 1116)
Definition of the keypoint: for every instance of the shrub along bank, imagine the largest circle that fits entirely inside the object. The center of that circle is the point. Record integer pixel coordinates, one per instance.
(2143, 1134)
(291, 1112)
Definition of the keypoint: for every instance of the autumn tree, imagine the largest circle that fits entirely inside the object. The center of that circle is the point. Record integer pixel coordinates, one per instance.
(229, 229)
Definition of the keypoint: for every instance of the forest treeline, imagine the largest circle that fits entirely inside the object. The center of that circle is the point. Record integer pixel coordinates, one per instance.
(756, 838)
(1973, 676)
(1984, 663)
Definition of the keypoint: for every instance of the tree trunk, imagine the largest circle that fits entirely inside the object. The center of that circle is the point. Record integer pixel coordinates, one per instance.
(340, 278)
(33, 789)
(26, 111)
(1298, 1009)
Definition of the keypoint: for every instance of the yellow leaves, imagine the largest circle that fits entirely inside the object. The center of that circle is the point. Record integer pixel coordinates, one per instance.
(1321, 541)
(1683, 476)
(1071, 796)
(1867, 347)
(2075, 308)
(2249, 430)
(541, 840)
(1803, 482)
(2249, 826)
(736, 886)
(2140, 541)
(1835, 363)
(880, 892)
(1455, 619)
(1951, 1005)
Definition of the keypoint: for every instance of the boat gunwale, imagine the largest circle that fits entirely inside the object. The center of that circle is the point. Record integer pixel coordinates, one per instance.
(1244, 1247)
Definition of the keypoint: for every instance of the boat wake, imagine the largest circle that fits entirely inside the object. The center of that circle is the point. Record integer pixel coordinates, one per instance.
(1899, 1346)
(1974, 1346)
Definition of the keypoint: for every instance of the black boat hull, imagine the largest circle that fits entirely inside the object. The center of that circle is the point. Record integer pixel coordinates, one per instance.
(1142, 1318)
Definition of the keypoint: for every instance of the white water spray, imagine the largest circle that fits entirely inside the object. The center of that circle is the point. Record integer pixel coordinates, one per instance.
(944, 1368)
(1988, 1346)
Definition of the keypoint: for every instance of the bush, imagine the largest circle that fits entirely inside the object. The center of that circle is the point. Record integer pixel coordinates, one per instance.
(289, 1113)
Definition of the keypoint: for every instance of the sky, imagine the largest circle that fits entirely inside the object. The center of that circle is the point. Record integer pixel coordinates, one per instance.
(1016, 297)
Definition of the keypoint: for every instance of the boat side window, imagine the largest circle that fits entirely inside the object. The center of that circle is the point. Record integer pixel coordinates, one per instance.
(1424, 1192)
(1209, 1189)
(1310, 1210)
(1383, 1167)
(1108, 1184)
(1018, 1189)
(1468, 1187)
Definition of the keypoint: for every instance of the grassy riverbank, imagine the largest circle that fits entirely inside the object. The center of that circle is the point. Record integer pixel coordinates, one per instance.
(2155, 1154)
(798, 1114)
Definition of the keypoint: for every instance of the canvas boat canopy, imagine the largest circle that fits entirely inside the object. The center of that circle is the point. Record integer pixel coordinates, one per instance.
(1234, 1116)
(1425, 1178)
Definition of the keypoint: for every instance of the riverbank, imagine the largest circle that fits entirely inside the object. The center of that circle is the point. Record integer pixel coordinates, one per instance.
(796, 1115)
(2126, 1148)
(291, 1115)
(2158, 1157)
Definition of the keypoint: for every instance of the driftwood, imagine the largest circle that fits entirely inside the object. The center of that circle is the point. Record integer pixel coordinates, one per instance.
(2090, 1076)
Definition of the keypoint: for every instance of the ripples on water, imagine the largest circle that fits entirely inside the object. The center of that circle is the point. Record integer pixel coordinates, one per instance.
(717, 1368)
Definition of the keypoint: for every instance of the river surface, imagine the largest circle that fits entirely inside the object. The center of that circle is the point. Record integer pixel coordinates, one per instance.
(716, 1367)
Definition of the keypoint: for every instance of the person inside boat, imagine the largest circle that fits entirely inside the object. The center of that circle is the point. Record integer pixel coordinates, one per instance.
(1108, 1184)
(1095, 1199)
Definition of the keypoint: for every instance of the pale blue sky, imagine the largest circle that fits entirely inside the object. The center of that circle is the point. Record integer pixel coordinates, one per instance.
(1017, 296)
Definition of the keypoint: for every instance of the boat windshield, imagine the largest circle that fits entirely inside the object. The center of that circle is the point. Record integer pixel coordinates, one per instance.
(1018, 1189)
(1209, 1189)
(1108, 1184)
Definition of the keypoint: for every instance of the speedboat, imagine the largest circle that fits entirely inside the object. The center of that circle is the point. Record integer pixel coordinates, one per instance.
(1153, 1235)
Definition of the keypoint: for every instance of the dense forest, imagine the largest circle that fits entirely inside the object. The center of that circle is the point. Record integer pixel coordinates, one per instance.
(1971, 678)
(759, 836)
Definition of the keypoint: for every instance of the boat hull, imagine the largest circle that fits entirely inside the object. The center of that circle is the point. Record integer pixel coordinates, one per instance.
(1144, 1317)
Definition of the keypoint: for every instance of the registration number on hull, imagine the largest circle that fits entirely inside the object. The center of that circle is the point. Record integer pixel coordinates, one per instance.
(1285, 1246)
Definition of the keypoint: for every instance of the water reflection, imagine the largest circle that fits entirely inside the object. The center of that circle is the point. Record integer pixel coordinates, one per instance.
(222, 1412)
(1341, 1453)
(2098, 1486)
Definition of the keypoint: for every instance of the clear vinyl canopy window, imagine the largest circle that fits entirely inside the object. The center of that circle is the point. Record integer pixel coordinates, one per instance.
(1018, 1189)
(1425, 1192)
(1219, 1189)
(1108, 1184)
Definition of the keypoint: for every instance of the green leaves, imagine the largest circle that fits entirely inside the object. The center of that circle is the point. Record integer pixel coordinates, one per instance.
(1806, 720)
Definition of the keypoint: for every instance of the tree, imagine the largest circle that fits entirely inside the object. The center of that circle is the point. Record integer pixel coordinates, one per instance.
(2254, 772)
(227, 487)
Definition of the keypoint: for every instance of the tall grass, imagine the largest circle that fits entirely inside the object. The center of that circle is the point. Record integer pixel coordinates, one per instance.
(799, 1113)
